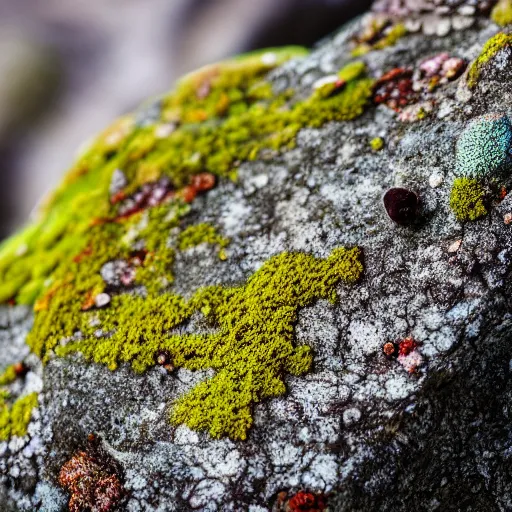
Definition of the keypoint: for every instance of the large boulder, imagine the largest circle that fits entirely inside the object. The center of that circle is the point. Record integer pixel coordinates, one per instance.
(283, 286)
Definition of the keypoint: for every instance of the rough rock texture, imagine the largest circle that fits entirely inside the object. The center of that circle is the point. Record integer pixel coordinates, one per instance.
(429, 430)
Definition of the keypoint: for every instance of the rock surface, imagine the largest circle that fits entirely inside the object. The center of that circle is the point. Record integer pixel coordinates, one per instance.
(427, 430)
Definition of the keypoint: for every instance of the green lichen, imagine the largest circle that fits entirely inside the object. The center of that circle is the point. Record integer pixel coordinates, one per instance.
(502, 13)
(8, 376)
(390, 38)
(224, 114)
(215, 119)
(467, 199)
(489, 51)
(14, 419)
(377, 143)
(201, 233)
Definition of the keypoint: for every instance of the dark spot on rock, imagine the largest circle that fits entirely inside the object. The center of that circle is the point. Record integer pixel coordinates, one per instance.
(401, 205)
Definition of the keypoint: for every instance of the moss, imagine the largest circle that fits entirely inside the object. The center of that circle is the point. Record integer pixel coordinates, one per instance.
(8, 376)
(392, 36)
(502, 13)
(14, 420)
(489, 51)
(467, 199)
(377, 143)
(222, 115)
(201, 233)
(251, 349)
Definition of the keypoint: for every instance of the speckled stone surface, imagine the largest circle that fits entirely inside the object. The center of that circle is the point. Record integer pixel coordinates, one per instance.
(359, 427)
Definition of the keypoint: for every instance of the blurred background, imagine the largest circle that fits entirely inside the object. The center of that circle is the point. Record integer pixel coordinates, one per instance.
(69, 67)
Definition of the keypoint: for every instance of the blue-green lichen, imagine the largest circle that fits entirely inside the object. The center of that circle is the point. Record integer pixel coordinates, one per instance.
(485, 147)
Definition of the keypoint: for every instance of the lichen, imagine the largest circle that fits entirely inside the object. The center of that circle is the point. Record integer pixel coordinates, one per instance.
(502, 13)
(251, 350)
(489, 51)
(484, 148)
(8, 376)
(201, 233)
(377, 143)
(467, 199)
(390, 38)
(14, 419)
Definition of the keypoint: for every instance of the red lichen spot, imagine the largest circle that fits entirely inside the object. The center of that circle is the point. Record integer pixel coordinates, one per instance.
(301, 501)
(88, 303)
(306, 502)
(188, 194)
(203, 181)
(503, 193)
(93, 482)
(406, 346)
(117, 197)
(20, 369)
(395, 89)
(390, 349)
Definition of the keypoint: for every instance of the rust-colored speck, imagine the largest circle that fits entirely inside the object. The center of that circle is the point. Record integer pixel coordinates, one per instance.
(406, 346)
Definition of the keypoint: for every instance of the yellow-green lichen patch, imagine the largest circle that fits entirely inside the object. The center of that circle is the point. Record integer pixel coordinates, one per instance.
(377, 143)
(8, 376)
(14, 419)
(392, 35)
(251, 350)
(467, 199)
(502, 13)
(201, 233)
(489, 51)
(215, 119)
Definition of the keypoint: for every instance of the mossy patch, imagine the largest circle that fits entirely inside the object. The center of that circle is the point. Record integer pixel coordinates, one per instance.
(467, 199)
(14, 419)
(215, 119)
(502, 13)
(199, 234)
(489, 51)
(218, 117)
(251, 350)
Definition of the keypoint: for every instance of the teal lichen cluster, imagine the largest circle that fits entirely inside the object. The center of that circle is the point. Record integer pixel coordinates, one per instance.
(14, 414)
(485, 147)
(491, 48)
(215, 119)
(484, 154)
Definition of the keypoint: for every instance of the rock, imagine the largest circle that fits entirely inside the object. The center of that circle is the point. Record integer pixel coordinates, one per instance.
(278, 342)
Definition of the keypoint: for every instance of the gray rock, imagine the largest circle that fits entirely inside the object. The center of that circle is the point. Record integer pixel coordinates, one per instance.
(360, 427)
